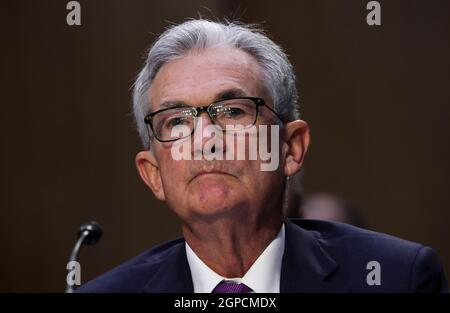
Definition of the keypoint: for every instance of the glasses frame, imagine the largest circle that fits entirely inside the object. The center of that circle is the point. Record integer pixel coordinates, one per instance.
(259, 102)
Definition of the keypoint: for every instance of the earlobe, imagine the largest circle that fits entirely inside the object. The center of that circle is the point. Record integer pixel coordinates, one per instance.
(297, 142)
(148, 169)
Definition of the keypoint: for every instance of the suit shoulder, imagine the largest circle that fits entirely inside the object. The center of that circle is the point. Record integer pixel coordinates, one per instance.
(341, 234)
(406, 266)
(132, 275)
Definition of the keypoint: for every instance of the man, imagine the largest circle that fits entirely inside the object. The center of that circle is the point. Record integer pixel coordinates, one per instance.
(202, 76)
(327, 206)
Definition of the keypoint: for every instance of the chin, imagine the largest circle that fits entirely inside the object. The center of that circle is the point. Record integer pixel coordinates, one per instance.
(213, 206)
(216, 207)
(211, 189)
(216, 194)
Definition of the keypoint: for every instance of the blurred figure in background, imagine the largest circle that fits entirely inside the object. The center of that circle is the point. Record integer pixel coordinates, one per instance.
(319, 206)
(326, 206)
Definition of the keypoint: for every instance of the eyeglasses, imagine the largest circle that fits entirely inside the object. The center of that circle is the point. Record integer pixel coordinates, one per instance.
(239, 113)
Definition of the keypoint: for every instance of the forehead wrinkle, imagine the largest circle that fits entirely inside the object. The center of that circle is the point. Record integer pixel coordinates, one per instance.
(217, 72)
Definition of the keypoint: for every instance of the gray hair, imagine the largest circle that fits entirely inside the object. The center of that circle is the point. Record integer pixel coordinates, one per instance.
(277, 71)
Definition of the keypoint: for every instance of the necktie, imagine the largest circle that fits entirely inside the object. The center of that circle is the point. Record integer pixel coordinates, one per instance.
(230, 287)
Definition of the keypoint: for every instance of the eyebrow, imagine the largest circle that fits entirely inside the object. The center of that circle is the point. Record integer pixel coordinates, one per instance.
(230, 93)
(223, 95)
(170, 104)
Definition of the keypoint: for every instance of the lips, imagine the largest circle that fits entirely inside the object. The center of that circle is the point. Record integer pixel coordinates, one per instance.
(211, 171)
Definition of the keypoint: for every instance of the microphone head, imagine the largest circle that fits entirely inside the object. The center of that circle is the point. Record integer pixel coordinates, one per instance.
(94, 232)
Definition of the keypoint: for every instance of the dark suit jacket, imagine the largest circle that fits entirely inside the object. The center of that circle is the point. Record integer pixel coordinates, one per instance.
(319, 256)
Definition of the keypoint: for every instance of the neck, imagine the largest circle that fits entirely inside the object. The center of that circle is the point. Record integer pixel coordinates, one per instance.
(229, 246)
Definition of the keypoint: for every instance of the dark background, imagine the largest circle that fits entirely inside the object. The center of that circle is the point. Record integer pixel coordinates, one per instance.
(376, 99)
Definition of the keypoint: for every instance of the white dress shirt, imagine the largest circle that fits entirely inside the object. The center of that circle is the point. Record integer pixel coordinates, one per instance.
(262, 277)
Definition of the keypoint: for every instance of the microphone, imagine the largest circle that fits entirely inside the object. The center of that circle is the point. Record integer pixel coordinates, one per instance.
(89, 234)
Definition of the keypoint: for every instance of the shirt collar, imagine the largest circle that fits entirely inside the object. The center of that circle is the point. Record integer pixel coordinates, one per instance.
(263, 276)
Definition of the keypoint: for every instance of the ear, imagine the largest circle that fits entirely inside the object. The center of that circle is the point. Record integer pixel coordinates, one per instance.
(148, 168)
(296, 138)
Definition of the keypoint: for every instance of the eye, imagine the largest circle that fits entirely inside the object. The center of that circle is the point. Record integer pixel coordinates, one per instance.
(177, 120)
(232, 112)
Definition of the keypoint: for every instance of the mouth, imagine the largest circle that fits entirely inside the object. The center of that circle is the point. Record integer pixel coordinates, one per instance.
(213, 172)
(204, 173)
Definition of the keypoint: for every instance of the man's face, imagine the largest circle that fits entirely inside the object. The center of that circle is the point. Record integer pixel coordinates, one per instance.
(212, 189)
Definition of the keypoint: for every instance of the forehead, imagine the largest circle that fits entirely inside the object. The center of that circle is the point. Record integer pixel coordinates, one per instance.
(200, 76)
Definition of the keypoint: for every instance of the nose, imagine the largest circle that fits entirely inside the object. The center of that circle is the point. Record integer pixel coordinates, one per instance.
(206, 135)
(202, 123)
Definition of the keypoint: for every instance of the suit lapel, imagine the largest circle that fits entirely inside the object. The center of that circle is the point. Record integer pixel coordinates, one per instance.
(173, 275)
(306, 266)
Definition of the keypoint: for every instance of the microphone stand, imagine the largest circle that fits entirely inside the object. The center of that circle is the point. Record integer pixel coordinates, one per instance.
(88, 234)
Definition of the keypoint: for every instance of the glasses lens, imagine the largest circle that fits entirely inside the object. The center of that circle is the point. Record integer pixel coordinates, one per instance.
(173, 124)
(238, 113)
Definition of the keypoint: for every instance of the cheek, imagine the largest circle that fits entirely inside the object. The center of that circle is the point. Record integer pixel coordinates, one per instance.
(171, 171)
(262, 182)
